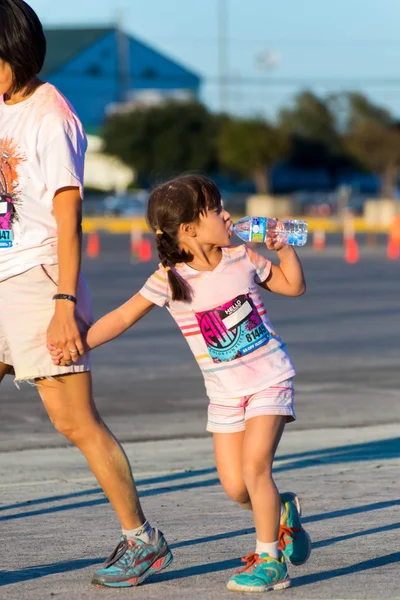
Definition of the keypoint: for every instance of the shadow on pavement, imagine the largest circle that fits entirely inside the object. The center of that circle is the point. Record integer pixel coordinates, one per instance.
(149, 481)
(351, 536)
(388, 448)
(379, 450)
(9, 577)
(99, 501)
(222, 565)
(297, 581)
(365, 565)
(319, 544)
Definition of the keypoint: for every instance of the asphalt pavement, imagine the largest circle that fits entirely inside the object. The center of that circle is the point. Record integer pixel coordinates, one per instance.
(342, 455)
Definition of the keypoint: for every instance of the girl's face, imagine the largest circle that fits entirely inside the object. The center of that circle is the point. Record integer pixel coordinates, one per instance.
(214, 228)
(6, 78)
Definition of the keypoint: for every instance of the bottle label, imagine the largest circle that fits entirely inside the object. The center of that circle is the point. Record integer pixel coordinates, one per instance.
(233, 329)
(258, 229)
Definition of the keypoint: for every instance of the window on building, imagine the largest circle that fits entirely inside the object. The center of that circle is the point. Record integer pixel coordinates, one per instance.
(94, 70)
(149, 73)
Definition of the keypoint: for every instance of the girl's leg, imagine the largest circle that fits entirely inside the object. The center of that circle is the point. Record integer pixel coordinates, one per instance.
(71, 408)
(228, 451)
(260, 443)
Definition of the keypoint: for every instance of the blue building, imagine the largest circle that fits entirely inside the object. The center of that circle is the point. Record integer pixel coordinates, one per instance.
(98, 68)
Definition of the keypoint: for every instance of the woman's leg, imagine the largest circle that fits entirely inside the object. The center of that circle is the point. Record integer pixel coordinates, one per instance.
(228, 451)
(5, 370)
(260, 443)
(71, 408)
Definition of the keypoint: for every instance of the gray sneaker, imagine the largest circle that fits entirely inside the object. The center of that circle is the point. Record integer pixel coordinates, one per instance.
(133, 561)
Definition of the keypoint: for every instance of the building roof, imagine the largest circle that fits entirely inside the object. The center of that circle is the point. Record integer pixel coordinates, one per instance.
(63, 45)
(66, 44)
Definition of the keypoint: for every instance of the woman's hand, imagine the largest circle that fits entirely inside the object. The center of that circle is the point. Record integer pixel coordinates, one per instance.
(63, 334)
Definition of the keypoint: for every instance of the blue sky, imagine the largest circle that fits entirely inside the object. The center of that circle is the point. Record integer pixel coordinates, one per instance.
(329, 46)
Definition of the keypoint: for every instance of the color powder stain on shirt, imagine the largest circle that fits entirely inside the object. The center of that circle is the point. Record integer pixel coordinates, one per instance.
(10, 160)
(50, 103)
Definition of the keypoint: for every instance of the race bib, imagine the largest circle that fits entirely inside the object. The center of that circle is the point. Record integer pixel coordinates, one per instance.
(6, 212)
(233, 329)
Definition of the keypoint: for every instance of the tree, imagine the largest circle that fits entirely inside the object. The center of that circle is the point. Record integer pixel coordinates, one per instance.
(164, 140)
(312, 128)
(249, 147)
(370, 135)
(377, 149)
(352, 110)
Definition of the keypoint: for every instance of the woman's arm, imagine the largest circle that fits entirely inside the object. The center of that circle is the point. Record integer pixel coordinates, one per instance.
(63, 331)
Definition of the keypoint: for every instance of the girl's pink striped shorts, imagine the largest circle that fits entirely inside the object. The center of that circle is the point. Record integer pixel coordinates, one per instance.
(230, 415)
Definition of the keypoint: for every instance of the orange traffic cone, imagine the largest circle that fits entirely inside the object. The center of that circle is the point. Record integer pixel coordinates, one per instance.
(351, 255)
(319, 240)
(136, 239)
(145, 251)
(93, 245)
(393, 248)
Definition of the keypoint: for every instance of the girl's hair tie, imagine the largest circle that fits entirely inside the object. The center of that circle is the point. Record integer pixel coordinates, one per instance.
(159, 232)
(167, 269)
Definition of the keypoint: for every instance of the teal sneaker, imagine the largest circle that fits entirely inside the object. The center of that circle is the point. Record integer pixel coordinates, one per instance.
(294, 541)
(133, 561)
(262, 573)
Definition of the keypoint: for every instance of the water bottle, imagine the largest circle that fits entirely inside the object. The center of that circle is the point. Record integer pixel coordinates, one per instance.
(256, 229)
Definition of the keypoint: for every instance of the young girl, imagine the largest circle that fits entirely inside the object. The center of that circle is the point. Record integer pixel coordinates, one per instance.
(210, 289)
(42, 291)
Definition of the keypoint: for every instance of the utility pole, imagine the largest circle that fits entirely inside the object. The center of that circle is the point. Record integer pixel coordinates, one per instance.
(223, 54)
(123, 66)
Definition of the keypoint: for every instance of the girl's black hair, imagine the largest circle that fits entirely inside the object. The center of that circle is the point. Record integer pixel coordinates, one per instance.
(181, 200)
(22, 41)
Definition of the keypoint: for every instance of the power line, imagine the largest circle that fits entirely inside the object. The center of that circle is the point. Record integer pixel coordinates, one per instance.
(289, 42)
(311, 81)
(242, 80)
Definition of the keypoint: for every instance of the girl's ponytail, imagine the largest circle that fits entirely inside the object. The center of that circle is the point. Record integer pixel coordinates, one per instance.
(181, 200)
(169, 257)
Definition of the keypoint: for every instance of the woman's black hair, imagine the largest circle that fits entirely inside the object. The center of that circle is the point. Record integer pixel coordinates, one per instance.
(22, 41)
(181, 200)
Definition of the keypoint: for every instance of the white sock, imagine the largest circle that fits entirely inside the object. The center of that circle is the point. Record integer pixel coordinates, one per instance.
(283, 510)
(271, 549)
(144, 532)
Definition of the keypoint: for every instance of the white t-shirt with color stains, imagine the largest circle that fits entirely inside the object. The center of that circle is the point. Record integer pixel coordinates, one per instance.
(42, 149)
(226, 323)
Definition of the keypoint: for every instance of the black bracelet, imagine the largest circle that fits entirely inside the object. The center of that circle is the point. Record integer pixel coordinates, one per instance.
(65, 297)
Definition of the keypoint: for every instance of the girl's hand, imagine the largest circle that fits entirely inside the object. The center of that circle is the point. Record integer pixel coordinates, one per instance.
(56, 354)
(272, 238)
(273, 243)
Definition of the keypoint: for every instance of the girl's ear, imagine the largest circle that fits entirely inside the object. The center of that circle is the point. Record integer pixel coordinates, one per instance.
(187, 230)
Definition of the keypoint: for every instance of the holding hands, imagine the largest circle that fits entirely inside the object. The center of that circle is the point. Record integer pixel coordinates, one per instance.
(64, 340)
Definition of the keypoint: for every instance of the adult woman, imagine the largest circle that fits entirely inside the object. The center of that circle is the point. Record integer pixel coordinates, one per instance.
(42, 148)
